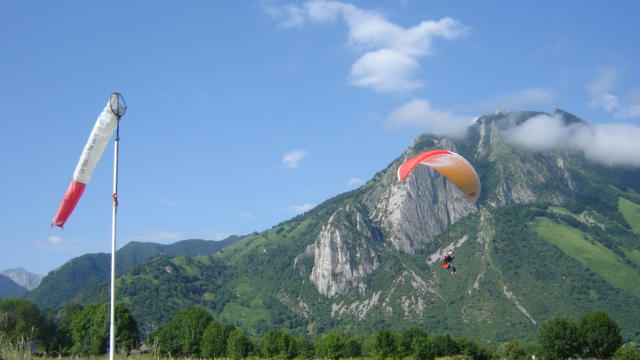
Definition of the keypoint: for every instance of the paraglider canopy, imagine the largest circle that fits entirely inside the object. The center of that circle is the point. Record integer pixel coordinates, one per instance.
(453, 166)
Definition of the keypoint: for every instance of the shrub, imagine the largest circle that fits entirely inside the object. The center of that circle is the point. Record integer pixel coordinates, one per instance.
(511, 350)
(627, 353)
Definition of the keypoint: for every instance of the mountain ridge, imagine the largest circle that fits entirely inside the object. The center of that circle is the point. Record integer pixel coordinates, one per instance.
(63, 283)
(367, 258)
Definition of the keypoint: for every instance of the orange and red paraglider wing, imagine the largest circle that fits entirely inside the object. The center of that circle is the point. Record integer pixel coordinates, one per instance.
(453, 166)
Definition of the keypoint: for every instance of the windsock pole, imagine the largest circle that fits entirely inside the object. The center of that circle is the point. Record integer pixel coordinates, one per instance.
(112, 327)
(119, 110)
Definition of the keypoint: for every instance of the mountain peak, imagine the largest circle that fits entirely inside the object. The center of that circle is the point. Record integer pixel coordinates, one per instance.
(23, 278)
(568, 118)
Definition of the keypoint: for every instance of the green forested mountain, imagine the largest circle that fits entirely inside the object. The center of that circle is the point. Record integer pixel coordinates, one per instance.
(554, 234)
(62, 284)
(9, 288)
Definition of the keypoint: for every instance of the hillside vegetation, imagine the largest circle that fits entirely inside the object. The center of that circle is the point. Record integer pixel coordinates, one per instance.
(552, 235)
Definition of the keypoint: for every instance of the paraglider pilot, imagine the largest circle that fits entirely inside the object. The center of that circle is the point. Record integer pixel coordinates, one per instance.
(447, 262)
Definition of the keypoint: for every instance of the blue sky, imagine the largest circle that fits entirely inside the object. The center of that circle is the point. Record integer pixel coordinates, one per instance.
(243, 114)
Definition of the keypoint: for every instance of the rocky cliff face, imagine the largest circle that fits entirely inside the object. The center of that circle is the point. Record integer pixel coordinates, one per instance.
(345, 251)
(413, 212)
(403, 215)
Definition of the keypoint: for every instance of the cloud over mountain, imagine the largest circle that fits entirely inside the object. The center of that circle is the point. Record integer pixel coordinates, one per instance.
(609, 144)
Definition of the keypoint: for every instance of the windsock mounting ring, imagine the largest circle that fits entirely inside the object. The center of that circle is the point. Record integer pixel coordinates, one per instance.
(117, 104)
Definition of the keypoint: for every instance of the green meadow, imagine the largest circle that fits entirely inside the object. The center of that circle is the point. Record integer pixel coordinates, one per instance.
(578, 245)
(631, 213)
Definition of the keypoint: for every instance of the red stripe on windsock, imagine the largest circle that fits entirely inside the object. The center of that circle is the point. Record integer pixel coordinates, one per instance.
(69, 202)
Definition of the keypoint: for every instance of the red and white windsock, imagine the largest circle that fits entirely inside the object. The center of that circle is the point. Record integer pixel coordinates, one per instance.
(100, 136)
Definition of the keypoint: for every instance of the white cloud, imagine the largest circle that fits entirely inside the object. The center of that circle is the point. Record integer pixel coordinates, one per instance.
(600, 94)
(301, 208)
(609, 144)
(519, 100)
(57, 244)
(167, 202)
(607, 101)
(354, 181)
(419, 113)
(629, 112)
(600, 89)
(390, 53)
(247, 215)
(292, 158)
(540, 133)
(287, 16)
(385, 70)
(54, 239)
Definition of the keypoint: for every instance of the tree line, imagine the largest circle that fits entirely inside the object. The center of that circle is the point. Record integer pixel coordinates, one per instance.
(194, 332)
(75, 330)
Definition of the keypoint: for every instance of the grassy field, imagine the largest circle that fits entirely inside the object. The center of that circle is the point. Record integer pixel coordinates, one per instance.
(634, 255)
(14, 354)
(596, 257)
(631, 213)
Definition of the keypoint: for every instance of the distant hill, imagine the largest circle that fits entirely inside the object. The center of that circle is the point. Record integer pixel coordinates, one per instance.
(553, 234)
(9, 288)
(62, 284)
(23, 278)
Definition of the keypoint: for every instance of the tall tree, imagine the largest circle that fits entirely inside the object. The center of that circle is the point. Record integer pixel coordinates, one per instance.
(21, 320)
(424, 348)
(560, 339)
(600, 335)
(385, 344)
(445, 345)
(407, 340)
(332, 346)
(472, 349)
(306, 350)
(183, 334)
(288, 346)
(238, 346)
(271, 343)
(214, 340)
(90, 329)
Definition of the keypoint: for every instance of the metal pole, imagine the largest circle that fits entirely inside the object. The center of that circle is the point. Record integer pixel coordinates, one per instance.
(112, 327)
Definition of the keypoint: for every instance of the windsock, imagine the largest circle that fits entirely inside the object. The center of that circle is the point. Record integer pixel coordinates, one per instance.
(98, 139)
